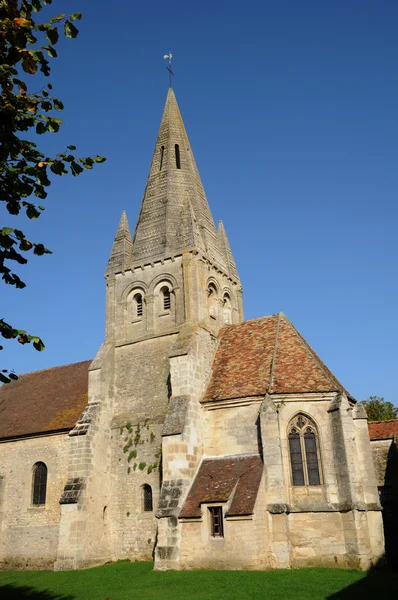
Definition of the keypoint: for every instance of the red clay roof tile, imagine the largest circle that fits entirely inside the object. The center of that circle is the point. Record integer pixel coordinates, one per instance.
(382, 430)
(49, 400)
(216, 480)
(266, 355)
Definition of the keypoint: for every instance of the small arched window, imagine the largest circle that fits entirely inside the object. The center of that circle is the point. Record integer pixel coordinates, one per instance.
(166, 297)
(138, 305)
(304, 451)
(212, 300)
(161, 158)
(227, 310)
(177, 151)
(39, 487)
(147, 502)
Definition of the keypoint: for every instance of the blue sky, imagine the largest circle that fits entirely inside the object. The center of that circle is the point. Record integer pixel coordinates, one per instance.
(290, 108)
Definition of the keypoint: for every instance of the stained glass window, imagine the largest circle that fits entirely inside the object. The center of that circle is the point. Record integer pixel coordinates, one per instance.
(304, 452)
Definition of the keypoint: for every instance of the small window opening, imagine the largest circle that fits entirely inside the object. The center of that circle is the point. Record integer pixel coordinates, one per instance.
(39, 484)
(177, 151)
(166, 299)
(147, 498)
(161, 158)
(216, 521)
(138, 305)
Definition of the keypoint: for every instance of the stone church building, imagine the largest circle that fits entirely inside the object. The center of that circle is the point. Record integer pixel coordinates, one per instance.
(194, 437)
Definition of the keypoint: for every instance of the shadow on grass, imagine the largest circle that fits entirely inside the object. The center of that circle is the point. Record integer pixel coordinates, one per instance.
(381, 582)
(14, 592)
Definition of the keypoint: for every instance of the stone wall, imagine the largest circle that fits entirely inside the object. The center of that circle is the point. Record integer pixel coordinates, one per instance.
(243, 546)
(29, 534)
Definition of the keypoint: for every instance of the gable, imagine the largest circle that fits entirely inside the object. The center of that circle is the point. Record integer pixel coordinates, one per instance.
(44, 401)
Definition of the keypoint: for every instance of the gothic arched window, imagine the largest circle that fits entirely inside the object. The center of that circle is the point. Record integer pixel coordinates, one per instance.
(304, 451)
(39, 484)
(147, 502)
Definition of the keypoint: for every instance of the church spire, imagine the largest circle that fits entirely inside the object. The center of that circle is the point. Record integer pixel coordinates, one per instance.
(120, 256)
(226, 248)
(175, 215)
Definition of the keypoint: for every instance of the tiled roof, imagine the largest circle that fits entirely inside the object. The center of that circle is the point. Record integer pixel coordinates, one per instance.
(216, 480)
(266, 355)
(49, 400)
(382, 430)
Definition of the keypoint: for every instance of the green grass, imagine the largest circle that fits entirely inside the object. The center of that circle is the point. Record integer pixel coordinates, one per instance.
(126, 581)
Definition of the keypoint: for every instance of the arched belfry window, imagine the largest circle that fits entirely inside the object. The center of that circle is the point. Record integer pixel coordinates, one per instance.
(227, 310)
(138, 305)
(166, 298)
(39, 484)
(147, 501)
(161, 158)
(212, 300)
(178, 160)
(304, 451)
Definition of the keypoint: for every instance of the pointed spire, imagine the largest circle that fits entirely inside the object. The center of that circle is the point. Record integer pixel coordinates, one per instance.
(226, 249)
(120, 257)
(175, 215)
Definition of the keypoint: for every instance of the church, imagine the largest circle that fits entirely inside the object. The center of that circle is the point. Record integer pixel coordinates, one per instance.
(194, 438)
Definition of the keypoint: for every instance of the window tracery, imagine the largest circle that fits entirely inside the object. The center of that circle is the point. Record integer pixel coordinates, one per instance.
(304, 451)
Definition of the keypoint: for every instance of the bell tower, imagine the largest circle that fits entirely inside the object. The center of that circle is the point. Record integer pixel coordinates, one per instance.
(177, 268)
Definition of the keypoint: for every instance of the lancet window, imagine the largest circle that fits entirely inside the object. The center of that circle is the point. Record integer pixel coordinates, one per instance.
(147, 500)
(212, 300)
(178, 160)
(304, 451)
(39, 484)
(166, 298)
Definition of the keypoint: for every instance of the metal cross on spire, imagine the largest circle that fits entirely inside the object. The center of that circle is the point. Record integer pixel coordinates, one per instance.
(168, 57)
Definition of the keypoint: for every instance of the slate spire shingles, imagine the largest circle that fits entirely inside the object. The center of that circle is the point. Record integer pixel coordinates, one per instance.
(266, 355)
(175, 215)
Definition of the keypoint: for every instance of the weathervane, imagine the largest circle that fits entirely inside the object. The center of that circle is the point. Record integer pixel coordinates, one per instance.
(168, 57)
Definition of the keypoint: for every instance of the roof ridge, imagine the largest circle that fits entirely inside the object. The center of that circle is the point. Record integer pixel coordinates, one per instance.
(273, 361)
(320, 364)
(385, 421)
(56, 367)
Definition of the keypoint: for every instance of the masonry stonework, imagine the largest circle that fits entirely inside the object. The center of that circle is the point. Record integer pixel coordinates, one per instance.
(194, 438)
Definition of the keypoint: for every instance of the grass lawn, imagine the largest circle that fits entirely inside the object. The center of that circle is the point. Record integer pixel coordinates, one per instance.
(126, 581)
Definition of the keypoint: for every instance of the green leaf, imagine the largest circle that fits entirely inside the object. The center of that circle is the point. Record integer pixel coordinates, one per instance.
(45, 2)
(6, 230)
(100, 159)
(88, 163)
(75, 168)
(58, 104)
(57, 18)
(52, 126)
(37, 7)
(75, 16)
(52, 35)
(31, 211)
(40, 128)
(71, 147)
(70, 30)
(25, 245)
(57, 167)
(51, 51)
(38, 344)
(46, 105)
(50, 87)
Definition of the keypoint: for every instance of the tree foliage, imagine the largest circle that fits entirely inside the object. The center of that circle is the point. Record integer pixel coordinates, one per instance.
(379, 409)
(25, 172)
